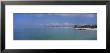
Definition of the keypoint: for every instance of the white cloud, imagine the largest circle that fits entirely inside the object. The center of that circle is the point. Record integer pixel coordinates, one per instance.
(90, 15)
(68, 14)
(85, 15)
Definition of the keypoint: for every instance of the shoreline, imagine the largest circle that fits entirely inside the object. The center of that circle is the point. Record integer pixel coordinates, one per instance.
(77, 28)
(86, 28)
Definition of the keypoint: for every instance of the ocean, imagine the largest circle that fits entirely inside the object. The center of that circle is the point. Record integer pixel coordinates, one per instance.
(46, 33)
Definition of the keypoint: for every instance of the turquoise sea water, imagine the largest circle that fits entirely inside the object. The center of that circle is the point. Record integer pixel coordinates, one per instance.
(53, 34)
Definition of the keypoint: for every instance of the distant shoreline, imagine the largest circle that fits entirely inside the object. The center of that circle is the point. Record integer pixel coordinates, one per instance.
(78, 27)
(86, 28)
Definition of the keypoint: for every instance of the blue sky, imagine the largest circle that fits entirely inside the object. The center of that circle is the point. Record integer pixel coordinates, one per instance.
(32, 19)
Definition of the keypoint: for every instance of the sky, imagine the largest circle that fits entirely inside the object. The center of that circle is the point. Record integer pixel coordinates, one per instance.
(34, 19)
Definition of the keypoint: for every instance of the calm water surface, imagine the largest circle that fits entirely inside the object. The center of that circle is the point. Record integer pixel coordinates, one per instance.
(53, 34)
